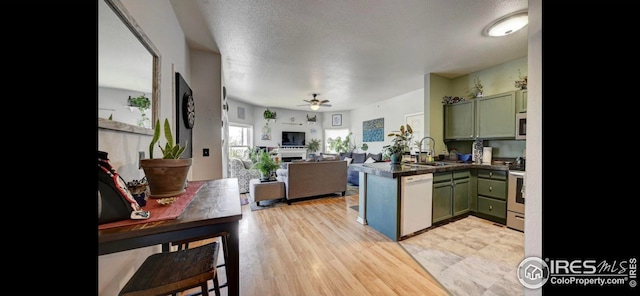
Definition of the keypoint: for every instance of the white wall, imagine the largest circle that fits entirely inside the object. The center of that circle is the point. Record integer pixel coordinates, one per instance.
(393, 110)
(533, 210)
(284, 122)
(157, 19)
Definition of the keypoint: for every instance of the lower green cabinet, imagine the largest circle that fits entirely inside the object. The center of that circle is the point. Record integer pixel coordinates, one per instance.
(492, 194)
(451, 194)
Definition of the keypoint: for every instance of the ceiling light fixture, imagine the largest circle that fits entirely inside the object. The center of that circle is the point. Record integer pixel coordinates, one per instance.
(508, 24)
(314, 107)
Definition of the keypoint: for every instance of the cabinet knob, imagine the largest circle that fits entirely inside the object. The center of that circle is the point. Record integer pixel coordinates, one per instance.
(490, 174)
(490, 208)
(490, 188)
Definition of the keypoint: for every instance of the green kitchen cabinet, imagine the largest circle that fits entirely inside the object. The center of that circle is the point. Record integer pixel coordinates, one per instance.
(496, 116)
(459, 120)
(451, 194)
(521, 101)
(492, 194)
(490, 117)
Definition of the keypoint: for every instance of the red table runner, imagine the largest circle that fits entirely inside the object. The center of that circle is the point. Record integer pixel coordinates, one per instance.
(160, 212)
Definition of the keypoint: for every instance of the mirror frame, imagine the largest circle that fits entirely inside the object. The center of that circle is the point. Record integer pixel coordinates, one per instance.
(103, 123)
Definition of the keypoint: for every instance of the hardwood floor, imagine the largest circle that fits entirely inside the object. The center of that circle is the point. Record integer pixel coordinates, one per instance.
(316, 247)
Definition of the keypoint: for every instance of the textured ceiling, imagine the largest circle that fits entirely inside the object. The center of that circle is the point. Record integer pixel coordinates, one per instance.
(276, 53)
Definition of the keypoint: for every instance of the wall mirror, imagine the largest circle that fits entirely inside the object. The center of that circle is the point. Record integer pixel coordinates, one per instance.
(128, 66)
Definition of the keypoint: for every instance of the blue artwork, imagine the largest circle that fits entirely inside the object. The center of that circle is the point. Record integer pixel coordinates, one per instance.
(373, 130)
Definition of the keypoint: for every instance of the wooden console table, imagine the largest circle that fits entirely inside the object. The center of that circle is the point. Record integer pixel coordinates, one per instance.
(215, 208)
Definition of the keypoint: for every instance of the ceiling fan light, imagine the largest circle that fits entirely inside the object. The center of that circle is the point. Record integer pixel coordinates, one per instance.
(314, 107)
(508, 24)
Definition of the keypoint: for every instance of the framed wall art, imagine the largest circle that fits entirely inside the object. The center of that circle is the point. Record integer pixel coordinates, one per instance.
(336, 119)
(373, 130)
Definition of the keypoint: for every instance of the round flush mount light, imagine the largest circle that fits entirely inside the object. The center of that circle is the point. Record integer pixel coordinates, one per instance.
(508, 24)
(314, 107)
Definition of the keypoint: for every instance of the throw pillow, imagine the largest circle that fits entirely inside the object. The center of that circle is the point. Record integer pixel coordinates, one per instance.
(376, 157)
(370, 160)
(359, 157)
(343, 155)
(348, 160)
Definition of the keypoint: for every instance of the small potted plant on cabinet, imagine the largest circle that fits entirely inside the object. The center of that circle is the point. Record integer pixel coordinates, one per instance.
(268, 114)
(400, 144)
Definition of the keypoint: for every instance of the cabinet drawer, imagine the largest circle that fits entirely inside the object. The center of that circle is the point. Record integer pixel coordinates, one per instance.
(441, 177)
(492, 174)
(461, 174)
(496, 208)
(492, 188)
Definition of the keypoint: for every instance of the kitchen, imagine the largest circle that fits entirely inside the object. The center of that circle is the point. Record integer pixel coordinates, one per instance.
(489, 187)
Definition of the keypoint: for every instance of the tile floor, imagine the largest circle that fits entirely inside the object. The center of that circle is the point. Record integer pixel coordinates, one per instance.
(471, 256)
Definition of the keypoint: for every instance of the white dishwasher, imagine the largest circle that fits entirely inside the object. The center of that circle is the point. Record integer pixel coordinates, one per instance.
(415, 203)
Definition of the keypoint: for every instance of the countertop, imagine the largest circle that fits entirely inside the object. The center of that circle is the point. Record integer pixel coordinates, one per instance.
(386, 169)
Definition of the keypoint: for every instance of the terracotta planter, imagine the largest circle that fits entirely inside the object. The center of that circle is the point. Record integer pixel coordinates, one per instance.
(166, 177)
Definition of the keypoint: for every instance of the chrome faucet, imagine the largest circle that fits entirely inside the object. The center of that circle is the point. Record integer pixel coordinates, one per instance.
(431, 151)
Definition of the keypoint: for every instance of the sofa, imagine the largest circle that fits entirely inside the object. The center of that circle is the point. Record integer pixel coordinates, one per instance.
(304, 179)
(353, 176)
(241, 169)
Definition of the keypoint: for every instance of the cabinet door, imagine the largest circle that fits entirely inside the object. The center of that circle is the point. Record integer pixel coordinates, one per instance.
(461, 192)
(459, 121)
(521, 101)
(496, 116)
(441, 201)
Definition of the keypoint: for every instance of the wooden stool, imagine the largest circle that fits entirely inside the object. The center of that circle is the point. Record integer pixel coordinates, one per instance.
(172, 272)
(184, 244)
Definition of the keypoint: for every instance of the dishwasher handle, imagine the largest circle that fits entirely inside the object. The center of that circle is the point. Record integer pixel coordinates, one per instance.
(418, 178)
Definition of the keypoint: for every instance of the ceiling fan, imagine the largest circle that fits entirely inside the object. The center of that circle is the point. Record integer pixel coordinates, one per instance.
(314, 104)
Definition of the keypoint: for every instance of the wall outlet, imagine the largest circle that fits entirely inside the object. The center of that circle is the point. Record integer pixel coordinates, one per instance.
(205, 151)
(140, 156)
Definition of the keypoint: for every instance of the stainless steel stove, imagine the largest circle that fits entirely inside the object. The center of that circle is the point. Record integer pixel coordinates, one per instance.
(515, 200)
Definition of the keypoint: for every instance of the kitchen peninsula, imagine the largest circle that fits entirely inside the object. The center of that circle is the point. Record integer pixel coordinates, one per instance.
(381, 193)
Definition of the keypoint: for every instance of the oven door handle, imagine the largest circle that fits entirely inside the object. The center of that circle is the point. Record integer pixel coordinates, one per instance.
(517, 173)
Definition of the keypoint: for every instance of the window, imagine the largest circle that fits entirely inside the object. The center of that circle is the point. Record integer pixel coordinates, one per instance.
(240, 140)
(334, 133)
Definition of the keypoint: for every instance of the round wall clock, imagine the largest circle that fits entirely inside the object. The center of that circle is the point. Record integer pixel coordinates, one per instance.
(188, 110)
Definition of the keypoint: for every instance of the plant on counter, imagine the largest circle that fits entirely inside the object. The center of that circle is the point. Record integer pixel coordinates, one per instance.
(265, 165)
(401, 141)
(171, 150)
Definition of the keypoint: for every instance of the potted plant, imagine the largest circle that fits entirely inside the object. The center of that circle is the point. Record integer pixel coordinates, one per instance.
(400, 144)
(166, 176)
(341, 146)
(265, 165)
(268, 114)
(313, 147)
(142, 103)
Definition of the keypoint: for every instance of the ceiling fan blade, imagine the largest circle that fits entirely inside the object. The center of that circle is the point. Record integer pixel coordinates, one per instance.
(303, 105)
(307, 101)
(324, 101)
(325, 105)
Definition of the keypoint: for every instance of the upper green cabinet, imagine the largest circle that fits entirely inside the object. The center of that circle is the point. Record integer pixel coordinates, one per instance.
(496, 116)
(521, 101)
(490, 117)
(459, 120)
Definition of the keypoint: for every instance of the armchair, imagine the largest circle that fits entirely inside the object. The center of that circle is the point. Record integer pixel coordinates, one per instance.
(241, 169)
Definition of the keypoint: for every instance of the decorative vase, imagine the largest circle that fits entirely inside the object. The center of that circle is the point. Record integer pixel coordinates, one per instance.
(166, 177)
(396, 158)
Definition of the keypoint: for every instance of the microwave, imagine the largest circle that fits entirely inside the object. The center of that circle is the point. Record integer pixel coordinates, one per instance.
(521, 126)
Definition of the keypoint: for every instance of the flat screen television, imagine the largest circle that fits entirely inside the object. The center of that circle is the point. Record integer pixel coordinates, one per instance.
(290, 139)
